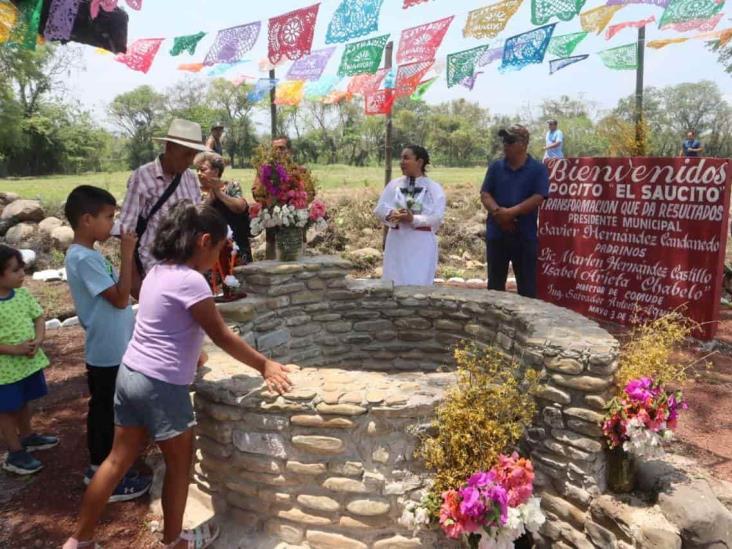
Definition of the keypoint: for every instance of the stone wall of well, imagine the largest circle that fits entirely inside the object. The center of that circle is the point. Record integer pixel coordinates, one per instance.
(331, 464)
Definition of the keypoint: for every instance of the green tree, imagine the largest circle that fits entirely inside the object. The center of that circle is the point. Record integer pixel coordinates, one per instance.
(139, 114)
(231, 105)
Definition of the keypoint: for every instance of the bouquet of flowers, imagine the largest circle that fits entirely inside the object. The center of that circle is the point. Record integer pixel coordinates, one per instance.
(285, 195)
(643, 417)
(491, 510)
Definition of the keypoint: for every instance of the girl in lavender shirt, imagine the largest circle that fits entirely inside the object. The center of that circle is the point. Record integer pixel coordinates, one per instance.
(152, 396)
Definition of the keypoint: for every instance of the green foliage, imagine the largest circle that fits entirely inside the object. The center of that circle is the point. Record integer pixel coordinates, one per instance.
(141, 114)
(484, 415)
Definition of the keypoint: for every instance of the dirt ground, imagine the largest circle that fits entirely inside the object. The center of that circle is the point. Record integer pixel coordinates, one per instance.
(39, 512)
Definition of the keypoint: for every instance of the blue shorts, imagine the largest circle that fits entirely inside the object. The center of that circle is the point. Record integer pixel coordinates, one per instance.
(162, 408)
(14, 396)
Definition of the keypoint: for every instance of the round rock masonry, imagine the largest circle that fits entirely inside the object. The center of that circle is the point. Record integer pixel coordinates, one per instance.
(331, 464)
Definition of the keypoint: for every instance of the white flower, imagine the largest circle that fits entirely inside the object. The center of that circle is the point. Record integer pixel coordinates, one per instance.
(532, 515)
(642, 442)
(231, 281)
(422, 516)
(667, 435)
(255, 225)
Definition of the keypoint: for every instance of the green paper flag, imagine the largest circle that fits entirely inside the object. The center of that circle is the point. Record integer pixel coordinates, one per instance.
(422, 89)
(186, 43)
(362, 57)
(564, 45)
(681, 11)
(543, 10)
(621, 58)
(26, 31)
(461, 65)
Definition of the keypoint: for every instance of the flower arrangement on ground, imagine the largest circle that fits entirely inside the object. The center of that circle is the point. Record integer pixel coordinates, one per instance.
(643, 417)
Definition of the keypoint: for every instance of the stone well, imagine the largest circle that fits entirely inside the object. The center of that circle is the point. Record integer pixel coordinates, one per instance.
(331, 464)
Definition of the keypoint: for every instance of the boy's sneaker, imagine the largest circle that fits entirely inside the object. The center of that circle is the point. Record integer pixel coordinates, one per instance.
(130, 488)
(39, 442)
(21, 463)
(89, 475)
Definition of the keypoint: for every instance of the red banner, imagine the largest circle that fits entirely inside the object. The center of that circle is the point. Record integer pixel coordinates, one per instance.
(630, 239)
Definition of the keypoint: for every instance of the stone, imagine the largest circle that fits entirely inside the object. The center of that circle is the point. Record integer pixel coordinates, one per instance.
(319, 503)
(366, 254)
(584, 415)
(49, 224)
(269, 444)
(266, 422)
(340, 409)
(327, 446)
(368, 507)
(589, 429)
(601, 537)
(318, 421)
(62, 237)
(349, 468)
(284, 531)
(596, 402)
(564, 365)
(298, 468)
(398, 542)
(552, 394)
(348, 485)
(325, 540)
(21, 235)
(373, 326)
(582, 383)
(583, 443)
(380, 455)
(563, 509)
(296, 515)
(375, 397)
(306, 297)
(272, 339)
(71, 321)
(23, 210)
(362, 523)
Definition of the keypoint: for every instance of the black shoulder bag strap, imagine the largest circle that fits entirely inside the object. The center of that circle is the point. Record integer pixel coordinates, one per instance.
(142, 221)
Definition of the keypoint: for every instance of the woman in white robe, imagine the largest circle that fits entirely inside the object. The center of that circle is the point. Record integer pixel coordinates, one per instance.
(412, 206)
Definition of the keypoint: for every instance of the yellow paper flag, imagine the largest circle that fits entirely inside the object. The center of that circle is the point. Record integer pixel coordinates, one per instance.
(8, 17)
(489, 21)
(662, 43)
(595, 20)
(290, 92)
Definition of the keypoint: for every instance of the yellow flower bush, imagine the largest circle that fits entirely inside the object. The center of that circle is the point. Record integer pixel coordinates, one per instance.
(484, 415)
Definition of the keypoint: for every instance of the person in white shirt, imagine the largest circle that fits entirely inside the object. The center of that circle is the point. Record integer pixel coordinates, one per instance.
(554, 141)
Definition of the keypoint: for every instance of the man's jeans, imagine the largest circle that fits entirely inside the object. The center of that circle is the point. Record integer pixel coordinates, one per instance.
(522, 254)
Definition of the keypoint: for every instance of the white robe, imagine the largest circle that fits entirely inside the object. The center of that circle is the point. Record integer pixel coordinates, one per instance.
(410, 256)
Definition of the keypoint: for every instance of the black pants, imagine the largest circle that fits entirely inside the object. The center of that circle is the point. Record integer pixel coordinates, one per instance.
(100, 419)
(522, 254)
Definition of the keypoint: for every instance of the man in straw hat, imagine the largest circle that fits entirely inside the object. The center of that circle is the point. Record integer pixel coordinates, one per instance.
(156, 187)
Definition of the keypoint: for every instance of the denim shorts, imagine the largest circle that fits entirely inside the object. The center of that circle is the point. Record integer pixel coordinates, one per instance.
(164, 409)
(14, 396)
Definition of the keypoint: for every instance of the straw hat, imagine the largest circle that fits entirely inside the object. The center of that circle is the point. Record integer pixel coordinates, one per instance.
(185, 133)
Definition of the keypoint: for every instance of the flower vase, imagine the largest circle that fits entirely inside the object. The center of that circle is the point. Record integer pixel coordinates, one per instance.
(289, 243)
(620, 470)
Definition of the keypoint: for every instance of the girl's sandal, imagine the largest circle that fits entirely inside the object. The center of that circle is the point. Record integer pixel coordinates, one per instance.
(200, 537)
(73, 543)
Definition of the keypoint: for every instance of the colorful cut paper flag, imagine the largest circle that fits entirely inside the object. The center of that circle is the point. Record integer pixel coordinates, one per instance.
(366, 83)
(469, 82)
(526, 48)
(409, 76)
(336, 97)
(321, 88)
(683, 11)
(595, 20)
(662, 43)
(290, 93)
(461, 65)
(140, 54)
(186, 43)
(390, 79)
(489, 21)
(232, 44)
(422, 89)
(28, 23)
(291, 34)
(261, 88)
(410, 3)
(660, 3)
(8, 18)
(102, 51)
(489, 56)
(695, 24)
(379, 102)
(311, 66)
(222, 68)
(421, 43)
(612, 30)
(191, 67)
(61, 18)
(564, 44)
(558, 64)
(621, 58)
(353, 19)
(362, 57)
(564, 10)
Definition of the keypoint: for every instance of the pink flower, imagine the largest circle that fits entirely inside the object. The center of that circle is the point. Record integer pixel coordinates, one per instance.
(451, 519)
(516, 476)
(317, 210)
(254, 210)
(641, 390)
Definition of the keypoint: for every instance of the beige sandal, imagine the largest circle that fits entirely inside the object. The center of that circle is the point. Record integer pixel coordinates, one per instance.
(73, 543)
(200, 537)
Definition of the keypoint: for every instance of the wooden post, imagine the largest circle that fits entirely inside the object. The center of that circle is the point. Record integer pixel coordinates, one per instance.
(640, 137)
(388, 53)
(270, 251)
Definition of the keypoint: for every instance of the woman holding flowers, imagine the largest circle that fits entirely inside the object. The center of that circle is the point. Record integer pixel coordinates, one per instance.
(412, 206)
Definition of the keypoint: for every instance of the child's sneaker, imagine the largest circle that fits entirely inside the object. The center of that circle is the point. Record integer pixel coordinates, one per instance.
(89, 475)
(39, 442)
(130, 488)
(22, 463)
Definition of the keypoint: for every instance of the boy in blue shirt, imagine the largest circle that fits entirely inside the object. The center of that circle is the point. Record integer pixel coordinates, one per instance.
(101, 297)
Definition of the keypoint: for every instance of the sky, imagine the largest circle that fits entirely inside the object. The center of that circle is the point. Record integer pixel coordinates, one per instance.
(102, 78)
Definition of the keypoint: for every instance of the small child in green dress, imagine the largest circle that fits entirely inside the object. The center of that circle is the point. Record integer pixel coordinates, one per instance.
(22, 360)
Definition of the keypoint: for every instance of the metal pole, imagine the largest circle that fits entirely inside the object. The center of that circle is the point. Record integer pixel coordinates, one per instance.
(388, 52)
(270, 250)
(640, 137)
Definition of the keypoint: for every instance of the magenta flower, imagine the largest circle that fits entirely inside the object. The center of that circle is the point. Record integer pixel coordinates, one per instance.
(641, 389)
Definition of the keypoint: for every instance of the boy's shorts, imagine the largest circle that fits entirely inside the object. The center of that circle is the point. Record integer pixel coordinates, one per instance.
(14, 396)
(164, 409)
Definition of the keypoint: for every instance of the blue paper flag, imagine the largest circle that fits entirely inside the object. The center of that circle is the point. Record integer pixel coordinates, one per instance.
(526, 48)
(353, 19)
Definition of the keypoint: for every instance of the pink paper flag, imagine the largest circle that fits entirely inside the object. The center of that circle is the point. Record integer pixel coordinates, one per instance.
(140, 54)
(612, 30)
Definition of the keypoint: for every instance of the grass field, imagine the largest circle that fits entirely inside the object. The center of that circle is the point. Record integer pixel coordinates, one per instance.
(52, 190)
